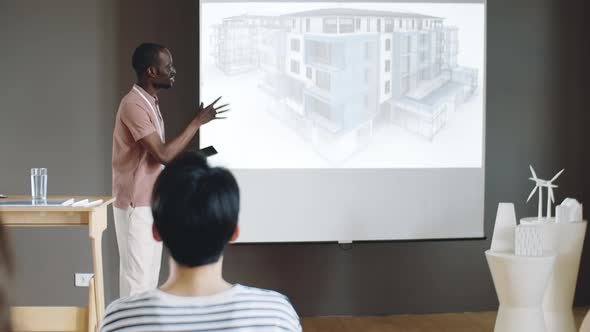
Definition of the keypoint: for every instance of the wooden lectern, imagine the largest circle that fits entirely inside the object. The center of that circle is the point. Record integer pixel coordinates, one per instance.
(63, 318)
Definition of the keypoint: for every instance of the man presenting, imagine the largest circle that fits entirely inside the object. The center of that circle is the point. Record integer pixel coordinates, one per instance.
(139, 153)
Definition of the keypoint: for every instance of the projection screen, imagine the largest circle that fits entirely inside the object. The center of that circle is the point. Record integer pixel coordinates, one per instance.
(349, 121)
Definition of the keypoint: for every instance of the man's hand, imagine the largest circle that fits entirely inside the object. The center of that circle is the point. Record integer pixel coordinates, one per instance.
(211, 112)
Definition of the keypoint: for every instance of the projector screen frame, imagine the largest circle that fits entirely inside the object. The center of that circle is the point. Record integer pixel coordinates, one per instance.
(346, 240)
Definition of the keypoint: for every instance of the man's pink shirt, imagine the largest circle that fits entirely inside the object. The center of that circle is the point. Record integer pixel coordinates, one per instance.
(135, 170)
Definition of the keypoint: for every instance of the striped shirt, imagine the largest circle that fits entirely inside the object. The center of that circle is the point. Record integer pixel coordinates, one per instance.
(239, 308)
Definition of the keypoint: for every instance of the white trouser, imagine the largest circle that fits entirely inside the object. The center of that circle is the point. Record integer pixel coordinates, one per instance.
(139, 253)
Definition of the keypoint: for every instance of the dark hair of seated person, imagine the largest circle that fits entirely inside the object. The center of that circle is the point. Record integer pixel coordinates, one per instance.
(195, 208)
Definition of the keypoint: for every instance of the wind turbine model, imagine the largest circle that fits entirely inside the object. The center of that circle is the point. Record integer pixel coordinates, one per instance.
(539, 184)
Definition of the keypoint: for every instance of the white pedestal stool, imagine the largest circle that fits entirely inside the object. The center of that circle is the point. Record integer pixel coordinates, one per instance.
(566, 239)
(520, 284)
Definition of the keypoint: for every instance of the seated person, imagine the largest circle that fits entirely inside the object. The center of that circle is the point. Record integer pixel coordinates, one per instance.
(195, 209)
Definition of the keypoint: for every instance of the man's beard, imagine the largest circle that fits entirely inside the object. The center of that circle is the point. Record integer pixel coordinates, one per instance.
(163, 85)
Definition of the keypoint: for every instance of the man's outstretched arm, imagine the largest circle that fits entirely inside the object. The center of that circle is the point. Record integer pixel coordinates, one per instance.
(165, 152)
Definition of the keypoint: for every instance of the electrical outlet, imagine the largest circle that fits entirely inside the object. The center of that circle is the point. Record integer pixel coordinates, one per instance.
(83, 279)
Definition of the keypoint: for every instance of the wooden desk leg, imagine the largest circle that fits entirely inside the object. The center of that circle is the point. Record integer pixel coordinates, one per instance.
(97, 224)
(92, 319)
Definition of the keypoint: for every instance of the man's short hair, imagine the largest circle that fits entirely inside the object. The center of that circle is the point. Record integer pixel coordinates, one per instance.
(195, 208)
(145, 55)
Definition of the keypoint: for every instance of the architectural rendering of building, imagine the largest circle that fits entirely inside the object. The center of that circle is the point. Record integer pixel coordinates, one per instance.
(340, 73)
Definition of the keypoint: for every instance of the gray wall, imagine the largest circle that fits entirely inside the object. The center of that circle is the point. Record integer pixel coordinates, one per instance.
(65, 65)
